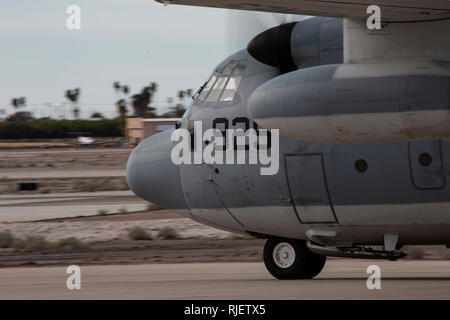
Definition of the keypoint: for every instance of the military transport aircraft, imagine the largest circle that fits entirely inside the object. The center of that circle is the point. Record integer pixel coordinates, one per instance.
(363, 117)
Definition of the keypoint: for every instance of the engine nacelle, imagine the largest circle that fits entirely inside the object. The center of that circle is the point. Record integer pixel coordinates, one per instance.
(311, 42)
(377, 102)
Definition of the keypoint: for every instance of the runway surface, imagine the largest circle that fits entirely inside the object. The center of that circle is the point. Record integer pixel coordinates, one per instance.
(72, 149)
(15, 208)
(340, 279)
(58, 174)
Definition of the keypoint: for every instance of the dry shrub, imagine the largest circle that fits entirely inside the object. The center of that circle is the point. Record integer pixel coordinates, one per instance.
(6, 239)
(138, 233)
(70, 244)
(168, 233)
(39, 243)
(31, 243)
(90, 186)
(123, 210)
(102, 212)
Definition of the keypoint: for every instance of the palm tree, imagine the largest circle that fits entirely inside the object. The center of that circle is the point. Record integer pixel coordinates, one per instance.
(179, 109)
(73, 96)
(116, 85)
(122, 108)
(18, 102)
(182, 94)
(141, 101)
(122, 102)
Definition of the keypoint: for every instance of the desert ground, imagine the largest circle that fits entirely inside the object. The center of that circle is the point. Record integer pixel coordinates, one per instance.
(108, 239)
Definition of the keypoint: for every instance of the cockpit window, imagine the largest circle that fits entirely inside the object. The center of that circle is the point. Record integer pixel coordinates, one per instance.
(223, 85)
(204, 92)
(231, 89)
(217, 89)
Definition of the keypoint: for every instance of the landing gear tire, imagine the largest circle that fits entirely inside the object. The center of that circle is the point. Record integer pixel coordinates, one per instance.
(291, 259)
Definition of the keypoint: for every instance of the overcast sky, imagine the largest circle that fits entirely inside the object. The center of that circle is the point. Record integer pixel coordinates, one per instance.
(131, 41)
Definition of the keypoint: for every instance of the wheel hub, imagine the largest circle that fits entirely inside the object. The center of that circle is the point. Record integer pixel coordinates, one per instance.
(284, 255)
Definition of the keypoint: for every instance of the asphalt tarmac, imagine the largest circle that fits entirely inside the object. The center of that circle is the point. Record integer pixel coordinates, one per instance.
(340, 279)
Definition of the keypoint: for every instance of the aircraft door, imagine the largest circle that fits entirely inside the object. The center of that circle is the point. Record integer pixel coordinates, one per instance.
(308, 186)
(425, 161)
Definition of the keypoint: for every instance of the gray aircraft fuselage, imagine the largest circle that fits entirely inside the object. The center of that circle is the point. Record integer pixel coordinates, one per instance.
(355, 192)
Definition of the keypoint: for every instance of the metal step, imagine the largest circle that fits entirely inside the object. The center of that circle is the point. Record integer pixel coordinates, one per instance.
(355, 252)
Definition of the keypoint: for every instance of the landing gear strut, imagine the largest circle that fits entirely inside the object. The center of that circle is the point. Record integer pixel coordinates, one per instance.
(291, 259)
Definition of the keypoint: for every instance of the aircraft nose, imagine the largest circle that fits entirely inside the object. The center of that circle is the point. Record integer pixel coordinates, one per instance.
(152, 175)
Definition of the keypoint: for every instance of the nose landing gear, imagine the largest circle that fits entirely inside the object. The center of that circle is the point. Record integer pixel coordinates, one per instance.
(291, 259)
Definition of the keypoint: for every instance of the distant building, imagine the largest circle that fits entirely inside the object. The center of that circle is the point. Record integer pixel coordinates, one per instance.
(137, 129)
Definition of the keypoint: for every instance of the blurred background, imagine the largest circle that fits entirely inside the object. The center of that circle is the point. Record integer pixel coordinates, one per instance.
(73, 104)
(134, 44)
